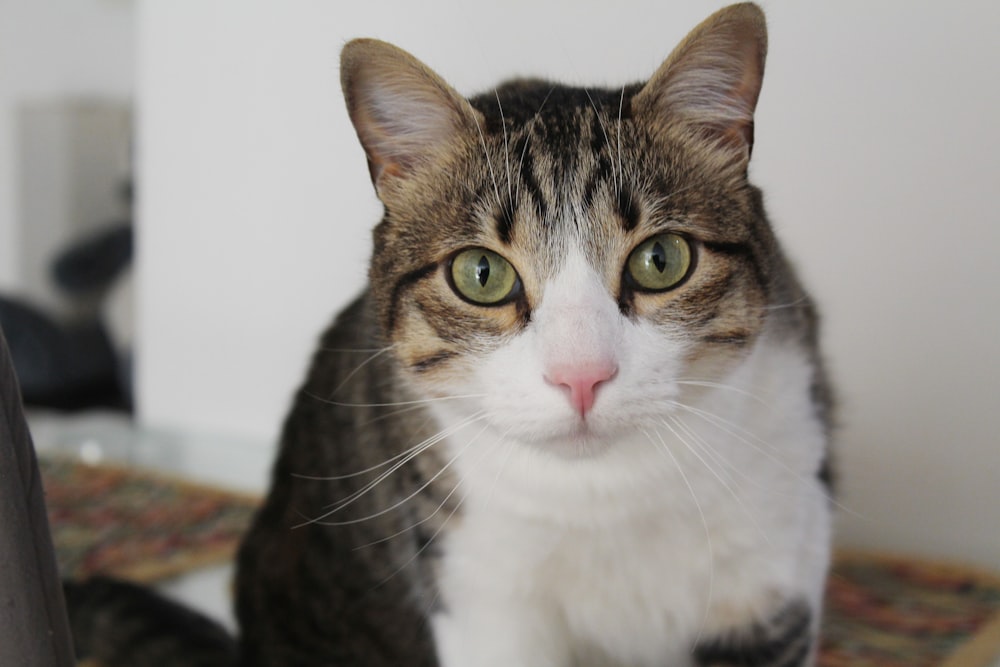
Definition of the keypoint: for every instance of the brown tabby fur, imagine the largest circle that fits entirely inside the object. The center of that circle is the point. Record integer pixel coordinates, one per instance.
(327, 576)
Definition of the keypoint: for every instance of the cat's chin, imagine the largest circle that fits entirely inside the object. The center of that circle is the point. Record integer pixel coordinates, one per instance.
(580, 440)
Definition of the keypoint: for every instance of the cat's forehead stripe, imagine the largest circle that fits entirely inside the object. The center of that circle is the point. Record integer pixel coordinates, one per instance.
(629, 209)
(505, 223)
(525, 191)
(554, 171)
(528, 184)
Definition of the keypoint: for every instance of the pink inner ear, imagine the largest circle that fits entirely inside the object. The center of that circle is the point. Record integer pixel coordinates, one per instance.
(721, 100)
(404, 114)
(400, 127)
(712, 80)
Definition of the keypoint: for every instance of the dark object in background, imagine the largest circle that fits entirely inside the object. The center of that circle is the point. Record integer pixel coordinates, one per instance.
(93, 263)
(73, 366)
(33, 624)
(68, 367)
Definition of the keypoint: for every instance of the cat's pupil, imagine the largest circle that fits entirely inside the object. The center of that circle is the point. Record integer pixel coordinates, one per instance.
(483, 270)
(659, 257)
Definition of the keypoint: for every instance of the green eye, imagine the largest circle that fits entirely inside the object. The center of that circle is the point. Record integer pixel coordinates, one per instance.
(482, 276)
(659, 263)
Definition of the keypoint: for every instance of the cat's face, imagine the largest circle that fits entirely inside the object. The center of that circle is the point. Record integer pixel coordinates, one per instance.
(570, 261)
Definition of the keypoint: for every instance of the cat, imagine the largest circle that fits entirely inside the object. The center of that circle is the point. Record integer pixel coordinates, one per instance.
(579, 416)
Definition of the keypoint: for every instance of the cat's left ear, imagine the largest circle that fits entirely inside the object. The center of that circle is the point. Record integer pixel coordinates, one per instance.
(711, 81)
(405, 115)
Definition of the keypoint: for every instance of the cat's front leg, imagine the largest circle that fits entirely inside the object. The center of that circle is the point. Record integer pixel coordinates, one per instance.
(786, 639)
(497, 636)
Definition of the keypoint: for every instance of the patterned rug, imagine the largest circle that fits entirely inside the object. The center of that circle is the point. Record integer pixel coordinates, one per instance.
(881, 611)
(897, 612)
(137, 525)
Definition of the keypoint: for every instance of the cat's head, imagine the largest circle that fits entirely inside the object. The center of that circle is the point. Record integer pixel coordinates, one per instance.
(567, 256)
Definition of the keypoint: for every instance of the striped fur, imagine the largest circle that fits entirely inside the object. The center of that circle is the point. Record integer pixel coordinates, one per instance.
(443, 496)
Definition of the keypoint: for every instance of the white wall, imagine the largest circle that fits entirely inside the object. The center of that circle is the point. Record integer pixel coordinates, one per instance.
(72, 160)
(877, 144)
(51, 51)
(880, 150)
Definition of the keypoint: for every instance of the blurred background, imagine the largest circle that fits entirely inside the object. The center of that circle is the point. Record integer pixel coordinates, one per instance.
(184, 206)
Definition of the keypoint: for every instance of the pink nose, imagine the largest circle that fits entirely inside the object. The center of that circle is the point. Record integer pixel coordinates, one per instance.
(582, 380)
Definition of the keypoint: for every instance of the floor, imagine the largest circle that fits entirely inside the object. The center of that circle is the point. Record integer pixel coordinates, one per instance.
(226, 462)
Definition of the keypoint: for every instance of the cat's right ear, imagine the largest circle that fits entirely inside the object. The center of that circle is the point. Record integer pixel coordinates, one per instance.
(405, 115)
(711, 81)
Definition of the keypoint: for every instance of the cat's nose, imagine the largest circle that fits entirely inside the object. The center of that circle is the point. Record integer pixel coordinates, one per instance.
(582, 380)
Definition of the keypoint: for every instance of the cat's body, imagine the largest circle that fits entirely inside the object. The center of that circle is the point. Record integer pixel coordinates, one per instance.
(579, 418)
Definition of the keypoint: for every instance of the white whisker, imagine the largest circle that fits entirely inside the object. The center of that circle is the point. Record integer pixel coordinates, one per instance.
(726, 387)
(791, 304)
(444, 523)
(664, 447)
(332, 478)
(703, 444)
(410, 454)
(607, 140)
(430, 541)
(506, 151)
(489, 163)
(503, 465)
(359, 367)
(621, 165)
(396, 404)
(520, 166)
(440, 506)
(390, 415)
(690, 444)
(527, 140)
(730, 428)
(747, 438)
(405, 500)
(659, 204)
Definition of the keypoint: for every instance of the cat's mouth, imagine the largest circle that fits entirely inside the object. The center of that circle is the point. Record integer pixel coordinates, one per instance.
(584, 440)
(579, 438)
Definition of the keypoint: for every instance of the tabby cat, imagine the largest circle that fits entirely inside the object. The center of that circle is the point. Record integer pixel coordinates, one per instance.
(578, 418)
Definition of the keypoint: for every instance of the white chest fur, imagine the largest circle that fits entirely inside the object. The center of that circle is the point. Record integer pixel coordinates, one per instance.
(684, 528)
